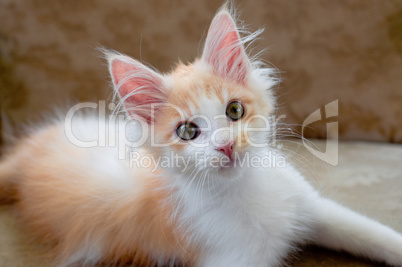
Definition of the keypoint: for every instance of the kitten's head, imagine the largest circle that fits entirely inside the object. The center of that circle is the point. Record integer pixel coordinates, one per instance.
(211, 113)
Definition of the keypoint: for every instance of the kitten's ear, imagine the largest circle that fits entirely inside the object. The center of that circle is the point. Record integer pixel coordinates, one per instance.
(140, 88)
(224, 50)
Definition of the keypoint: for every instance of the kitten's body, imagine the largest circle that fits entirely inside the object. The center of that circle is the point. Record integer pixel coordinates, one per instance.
(97, 208)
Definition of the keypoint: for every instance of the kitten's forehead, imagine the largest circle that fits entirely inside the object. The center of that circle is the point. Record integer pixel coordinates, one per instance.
(194, 87)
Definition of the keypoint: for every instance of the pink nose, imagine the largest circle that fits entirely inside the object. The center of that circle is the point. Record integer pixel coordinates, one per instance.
(227, 149)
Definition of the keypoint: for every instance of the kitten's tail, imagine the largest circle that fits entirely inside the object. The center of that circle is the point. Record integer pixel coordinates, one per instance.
(8, 191)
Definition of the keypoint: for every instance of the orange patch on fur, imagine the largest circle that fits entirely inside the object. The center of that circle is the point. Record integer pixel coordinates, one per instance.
(71, 209)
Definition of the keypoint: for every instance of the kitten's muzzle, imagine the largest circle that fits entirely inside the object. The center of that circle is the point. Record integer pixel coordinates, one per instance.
(226, 149)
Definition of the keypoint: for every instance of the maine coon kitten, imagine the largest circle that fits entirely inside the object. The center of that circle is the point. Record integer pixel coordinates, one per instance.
(97, 208)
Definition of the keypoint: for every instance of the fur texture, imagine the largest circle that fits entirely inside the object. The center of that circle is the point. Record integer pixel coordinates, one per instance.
(96, 208)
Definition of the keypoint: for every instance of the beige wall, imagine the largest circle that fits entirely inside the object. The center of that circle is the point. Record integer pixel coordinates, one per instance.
(326, 50)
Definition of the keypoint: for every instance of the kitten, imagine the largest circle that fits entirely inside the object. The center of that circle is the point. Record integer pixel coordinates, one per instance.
(96, 208)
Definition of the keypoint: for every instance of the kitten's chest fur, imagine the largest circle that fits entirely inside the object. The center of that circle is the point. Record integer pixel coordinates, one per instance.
(252, 214)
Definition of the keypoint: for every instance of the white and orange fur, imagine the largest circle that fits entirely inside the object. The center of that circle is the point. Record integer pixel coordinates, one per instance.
(94, 208)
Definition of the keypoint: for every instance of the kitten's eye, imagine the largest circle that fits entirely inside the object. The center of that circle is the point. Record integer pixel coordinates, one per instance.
(187, 131)
(235, 110)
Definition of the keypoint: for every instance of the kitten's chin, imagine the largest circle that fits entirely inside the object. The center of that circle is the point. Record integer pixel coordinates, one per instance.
(230, 173)
(230, 170)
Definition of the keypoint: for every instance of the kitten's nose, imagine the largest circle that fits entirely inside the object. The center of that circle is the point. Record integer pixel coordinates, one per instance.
(227, 149)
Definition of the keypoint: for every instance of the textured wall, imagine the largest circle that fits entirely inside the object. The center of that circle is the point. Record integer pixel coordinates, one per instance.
(326, 50)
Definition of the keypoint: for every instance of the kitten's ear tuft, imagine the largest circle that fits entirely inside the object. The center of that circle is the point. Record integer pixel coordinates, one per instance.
(140, 88)
(224, 50)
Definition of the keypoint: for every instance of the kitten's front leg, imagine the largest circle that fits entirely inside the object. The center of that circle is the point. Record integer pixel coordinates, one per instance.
(342, 229)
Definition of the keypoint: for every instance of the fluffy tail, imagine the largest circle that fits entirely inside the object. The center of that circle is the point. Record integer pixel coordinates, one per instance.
(8, 191)
(342, 229)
